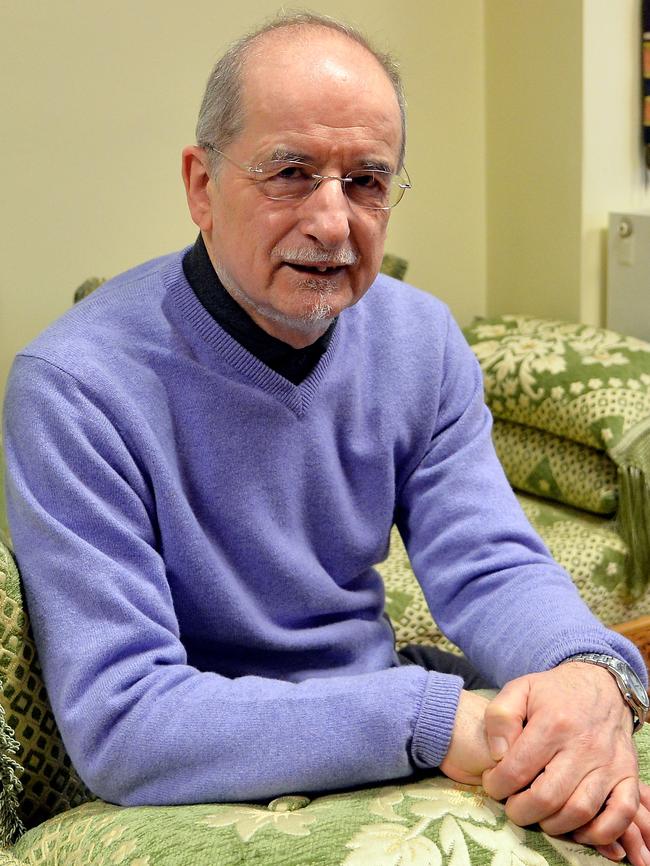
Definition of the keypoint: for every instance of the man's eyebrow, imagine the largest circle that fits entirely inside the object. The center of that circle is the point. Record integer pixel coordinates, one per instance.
(376, 165)
(287, 155)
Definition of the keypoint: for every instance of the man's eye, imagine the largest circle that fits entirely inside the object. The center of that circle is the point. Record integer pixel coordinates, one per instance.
(372, 181)
(292, 172)
(365, 180)
(288, 180)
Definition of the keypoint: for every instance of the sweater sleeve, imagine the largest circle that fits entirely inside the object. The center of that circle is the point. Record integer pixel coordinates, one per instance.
(491, 584)
(141, 725)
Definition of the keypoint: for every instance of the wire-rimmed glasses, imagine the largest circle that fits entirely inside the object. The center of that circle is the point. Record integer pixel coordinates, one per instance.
(290, 180)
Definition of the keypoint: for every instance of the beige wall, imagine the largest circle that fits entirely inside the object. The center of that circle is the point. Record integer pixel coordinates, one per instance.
(99, 98)
(612, 170)
(533, 153)
(562, 149)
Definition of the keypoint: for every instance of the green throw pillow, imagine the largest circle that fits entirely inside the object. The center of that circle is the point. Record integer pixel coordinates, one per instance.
(586, 384)
(556, 468)
(591, 549)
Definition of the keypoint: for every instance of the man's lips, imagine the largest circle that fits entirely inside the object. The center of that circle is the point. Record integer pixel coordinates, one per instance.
(317, 269)
(315, 262)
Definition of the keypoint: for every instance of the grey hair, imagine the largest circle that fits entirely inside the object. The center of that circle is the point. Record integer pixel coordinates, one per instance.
(221, 116)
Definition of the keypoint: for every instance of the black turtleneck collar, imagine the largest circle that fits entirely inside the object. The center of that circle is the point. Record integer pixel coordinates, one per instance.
(294, 364)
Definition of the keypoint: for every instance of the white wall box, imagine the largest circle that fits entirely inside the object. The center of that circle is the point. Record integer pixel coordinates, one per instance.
(628, 274)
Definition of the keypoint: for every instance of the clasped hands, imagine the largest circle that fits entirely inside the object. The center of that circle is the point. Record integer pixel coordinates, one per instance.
(557, 747)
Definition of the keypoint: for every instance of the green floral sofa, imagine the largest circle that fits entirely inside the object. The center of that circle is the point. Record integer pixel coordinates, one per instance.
(426, 821)
(571, 407)
(572, 415)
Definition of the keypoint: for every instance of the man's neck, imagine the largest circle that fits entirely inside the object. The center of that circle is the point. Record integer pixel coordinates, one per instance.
(295, 364)
(296, 333)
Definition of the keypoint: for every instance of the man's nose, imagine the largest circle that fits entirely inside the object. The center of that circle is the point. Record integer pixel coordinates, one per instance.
(325, 214)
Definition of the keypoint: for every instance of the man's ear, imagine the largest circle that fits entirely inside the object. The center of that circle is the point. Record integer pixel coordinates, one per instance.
(196, 179)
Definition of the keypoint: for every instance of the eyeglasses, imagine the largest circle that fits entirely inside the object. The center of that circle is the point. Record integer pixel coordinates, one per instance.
(288, 180)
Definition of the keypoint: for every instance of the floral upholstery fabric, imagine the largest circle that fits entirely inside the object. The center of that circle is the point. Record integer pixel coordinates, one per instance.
(427, 822)
(581, 385)
(585, 384)
(591, 549)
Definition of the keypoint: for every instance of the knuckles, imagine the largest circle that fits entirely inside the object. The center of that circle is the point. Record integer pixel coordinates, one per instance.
(505, 781)
(560, 724)
(572, 817)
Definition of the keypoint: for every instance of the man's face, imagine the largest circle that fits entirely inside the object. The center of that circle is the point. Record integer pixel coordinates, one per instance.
(325, 100)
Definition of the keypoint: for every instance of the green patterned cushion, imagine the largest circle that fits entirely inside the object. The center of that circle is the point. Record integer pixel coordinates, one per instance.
(429, 821)
(556, 468)
(87, 287)
(585, 384)
(49, 782)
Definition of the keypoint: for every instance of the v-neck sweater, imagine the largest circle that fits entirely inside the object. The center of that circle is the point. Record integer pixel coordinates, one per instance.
(198, 538)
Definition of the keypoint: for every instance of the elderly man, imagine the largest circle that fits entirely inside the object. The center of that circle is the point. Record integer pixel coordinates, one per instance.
(205, 460)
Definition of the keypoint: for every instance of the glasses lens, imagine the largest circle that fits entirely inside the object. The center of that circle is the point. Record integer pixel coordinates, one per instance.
(281, 179)
(374, 189)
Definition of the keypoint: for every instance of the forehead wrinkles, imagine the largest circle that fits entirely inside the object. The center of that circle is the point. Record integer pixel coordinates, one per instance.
(316, 78)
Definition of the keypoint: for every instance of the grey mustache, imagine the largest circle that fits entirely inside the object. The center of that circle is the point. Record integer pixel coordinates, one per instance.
(317, 257)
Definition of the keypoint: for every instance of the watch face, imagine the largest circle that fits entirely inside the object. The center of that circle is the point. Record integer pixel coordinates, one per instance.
(633, 682)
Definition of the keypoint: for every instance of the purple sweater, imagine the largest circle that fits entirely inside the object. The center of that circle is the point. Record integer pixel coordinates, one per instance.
(197, 539)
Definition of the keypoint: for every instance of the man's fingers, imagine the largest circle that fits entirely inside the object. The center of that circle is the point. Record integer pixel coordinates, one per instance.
(505, 716)
(644, 796)
(523, 763)
(634, 846)
(547, 796)
(636, 839)
(633, 843)
(620, 810)
(566, 798)
(615, 851)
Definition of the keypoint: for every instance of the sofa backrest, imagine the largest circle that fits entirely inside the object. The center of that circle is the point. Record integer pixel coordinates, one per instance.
(38, 778)
(571, 404)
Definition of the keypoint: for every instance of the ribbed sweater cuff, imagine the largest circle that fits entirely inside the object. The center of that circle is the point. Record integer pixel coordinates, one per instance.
(436, 720)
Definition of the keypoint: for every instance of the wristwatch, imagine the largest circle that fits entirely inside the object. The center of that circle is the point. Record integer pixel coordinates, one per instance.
(631, 687)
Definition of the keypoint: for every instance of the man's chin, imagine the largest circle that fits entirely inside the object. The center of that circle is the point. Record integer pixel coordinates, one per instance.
(321, 314)
(298, 328)
(314, 300)
(304, 307)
